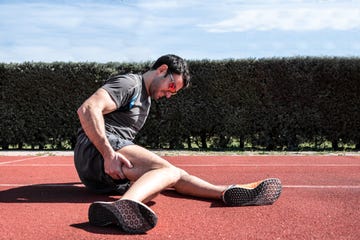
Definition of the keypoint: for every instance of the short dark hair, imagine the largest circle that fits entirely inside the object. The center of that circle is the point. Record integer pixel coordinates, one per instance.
(176, 65)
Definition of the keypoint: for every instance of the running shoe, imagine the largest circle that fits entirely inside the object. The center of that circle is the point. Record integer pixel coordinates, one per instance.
(264, 192)
(130, 216)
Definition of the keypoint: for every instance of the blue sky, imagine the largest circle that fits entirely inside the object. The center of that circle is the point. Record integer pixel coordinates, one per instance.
(142, 30)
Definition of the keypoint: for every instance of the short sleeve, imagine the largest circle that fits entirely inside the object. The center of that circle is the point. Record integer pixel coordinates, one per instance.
(121, 89)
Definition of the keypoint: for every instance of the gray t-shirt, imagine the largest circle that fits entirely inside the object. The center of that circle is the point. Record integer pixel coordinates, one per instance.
(133, 102)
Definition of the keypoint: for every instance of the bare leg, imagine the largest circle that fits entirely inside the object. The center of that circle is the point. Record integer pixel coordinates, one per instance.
(152, 174)
(194, 186)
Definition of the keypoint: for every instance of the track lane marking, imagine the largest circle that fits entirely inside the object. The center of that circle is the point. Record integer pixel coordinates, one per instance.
(21, 160)
(268, 165)
(191, 165)
(40, 185)
(39, 165)
(323, 186)
(81, 185)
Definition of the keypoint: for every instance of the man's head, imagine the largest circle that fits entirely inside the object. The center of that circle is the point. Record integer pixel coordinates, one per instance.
(169, 74)
(175, 65)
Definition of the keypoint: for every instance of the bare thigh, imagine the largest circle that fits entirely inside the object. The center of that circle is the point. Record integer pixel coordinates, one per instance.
(142, 160)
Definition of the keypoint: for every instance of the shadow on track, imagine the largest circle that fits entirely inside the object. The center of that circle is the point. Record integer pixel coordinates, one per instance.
(52, 193)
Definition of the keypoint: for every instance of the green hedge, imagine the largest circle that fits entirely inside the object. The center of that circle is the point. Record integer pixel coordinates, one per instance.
(277, 103)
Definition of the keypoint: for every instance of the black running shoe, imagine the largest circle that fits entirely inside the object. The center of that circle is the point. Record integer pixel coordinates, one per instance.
(264, 192)
(130, 216)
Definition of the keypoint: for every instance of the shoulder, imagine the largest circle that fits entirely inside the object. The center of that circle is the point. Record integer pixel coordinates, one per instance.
(123, 88)
(125, 81)
(122, 84)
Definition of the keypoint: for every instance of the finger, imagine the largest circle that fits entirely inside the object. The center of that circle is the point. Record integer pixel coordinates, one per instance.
(121, 173)
(115, 176)
(127, 163)
(120, 163)
(111, 174)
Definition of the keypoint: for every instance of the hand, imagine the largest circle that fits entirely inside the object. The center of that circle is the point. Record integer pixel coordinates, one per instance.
(113, 165)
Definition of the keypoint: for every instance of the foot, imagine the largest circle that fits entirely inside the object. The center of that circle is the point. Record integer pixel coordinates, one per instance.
(130, 216)
(264, 192)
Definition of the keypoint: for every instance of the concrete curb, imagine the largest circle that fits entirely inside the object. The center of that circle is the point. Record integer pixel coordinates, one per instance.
(188, 153)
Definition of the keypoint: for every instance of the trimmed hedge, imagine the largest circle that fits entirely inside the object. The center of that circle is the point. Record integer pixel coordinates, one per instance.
(276, 103)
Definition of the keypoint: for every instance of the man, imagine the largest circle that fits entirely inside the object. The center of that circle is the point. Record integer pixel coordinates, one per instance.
(108, 161)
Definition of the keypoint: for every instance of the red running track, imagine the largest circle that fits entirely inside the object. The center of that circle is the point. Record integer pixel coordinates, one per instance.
(41, 198)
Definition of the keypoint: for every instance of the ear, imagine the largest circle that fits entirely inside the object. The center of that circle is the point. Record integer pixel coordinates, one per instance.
(162, 69)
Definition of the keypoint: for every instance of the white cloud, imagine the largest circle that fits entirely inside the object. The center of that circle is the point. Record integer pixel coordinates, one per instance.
(158, 5)
(129, 30)
(289, 18)
(67, 16)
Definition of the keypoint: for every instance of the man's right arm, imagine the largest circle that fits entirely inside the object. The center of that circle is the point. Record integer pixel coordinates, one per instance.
(91, 114)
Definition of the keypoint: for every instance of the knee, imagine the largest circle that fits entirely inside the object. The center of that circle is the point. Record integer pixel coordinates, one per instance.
(182, 172)
(175, 174)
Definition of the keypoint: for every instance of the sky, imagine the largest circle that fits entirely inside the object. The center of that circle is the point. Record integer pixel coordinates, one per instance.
(142, 30)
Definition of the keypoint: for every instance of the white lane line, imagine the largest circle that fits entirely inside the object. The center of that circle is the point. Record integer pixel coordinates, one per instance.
(40, 185)
(268, 165)
(39, 165)
(81, 185)
(322, 186)
(190, 165)
(21, 160)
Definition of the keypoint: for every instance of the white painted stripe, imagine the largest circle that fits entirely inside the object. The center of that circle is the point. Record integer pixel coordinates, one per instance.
(21, 160)
(40, 185)
(192, 165)
(81, 185)
(322, 186)
(268, 165)
(39, 165)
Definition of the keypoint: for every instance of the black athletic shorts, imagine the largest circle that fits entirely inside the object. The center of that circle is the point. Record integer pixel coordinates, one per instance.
(89, 164)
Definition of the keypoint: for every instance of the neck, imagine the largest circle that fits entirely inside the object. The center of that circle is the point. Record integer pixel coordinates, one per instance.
(148, 77)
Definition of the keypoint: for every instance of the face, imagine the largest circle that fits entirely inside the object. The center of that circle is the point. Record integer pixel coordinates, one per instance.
(166, 85)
